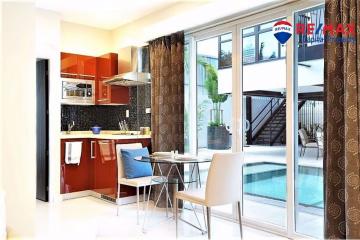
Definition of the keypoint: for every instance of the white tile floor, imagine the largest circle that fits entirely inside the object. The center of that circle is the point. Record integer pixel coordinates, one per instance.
(91, 218)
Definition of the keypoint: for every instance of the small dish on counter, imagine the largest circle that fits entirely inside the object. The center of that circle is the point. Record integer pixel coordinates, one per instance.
(96, 129)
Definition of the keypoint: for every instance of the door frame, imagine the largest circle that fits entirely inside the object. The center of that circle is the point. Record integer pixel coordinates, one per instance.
(235, 26)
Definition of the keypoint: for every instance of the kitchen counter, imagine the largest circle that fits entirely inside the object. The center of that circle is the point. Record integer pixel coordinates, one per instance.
(103, 135)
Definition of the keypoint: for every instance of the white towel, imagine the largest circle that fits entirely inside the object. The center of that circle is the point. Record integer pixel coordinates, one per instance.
(73, 152)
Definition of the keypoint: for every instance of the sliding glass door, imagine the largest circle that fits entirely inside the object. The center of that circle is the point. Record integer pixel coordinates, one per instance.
(248, 92)
(309, 79)
(214, 100)
(264, 128)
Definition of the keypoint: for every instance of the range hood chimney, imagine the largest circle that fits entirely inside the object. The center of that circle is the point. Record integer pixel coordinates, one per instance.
(133, 67)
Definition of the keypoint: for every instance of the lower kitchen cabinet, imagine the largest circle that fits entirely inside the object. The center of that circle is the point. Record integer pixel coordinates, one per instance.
(105, 173)
(73, 177)
(97, 170)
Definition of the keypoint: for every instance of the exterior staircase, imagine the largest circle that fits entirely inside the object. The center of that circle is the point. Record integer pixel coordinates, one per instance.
(273, 130)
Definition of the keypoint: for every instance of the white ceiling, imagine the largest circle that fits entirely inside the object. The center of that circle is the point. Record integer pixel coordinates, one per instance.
(106, 14)
(110, 14)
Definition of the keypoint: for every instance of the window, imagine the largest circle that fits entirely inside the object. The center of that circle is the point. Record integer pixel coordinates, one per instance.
(268, 46)
(260, 45)
(249, 49)
(225, 47)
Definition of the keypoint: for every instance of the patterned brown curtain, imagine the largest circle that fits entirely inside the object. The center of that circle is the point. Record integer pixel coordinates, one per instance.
(167, 101)
(167, 92)
(342, 106)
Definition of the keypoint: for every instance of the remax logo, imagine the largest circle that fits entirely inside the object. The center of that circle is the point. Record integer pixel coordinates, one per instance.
(282, 30)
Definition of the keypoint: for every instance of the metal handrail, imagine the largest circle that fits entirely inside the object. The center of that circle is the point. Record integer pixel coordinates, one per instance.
(269, 111)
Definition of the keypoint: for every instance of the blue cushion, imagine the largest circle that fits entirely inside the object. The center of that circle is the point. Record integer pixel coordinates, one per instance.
(133, 168)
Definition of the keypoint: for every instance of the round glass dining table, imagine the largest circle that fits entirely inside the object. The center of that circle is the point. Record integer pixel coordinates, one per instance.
(173, 163)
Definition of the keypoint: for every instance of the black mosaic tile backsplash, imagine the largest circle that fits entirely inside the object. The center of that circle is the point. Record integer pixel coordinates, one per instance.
(108, 116)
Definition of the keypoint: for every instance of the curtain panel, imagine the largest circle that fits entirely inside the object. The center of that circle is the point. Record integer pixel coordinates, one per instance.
(342, 124)
(167, 102)
(167, 92)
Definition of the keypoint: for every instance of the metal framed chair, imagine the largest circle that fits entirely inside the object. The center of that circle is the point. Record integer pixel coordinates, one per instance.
(133, 182)
(305, 142)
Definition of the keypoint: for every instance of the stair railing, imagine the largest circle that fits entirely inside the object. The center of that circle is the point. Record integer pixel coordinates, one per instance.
(274, 103)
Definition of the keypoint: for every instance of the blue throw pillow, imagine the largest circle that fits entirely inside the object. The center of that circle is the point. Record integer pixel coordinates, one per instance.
(133, 168)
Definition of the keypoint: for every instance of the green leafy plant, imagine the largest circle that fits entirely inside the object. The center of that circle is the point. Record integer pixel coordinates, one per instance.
(211, 85)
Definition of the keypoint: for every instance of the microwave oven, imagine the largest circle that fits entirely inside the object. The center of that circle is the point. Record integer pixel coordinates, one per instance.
(78, 91)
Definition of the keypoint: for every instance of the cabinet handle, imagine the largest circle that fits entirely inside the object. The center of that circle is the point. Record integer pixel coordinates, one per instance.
(86, 75)
(103, 100)
(70, 74)
(104, 141)
(92, 150)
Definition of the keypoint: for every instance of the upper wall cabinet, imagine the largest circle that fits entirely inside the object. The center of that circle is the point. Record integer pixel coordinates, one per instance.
(98, 69)
(78, 66)
(105, 94)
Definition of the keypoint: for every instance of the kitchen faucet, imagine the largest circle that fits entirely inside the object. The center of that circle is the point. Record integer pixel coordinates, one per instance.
(70, 127)
(123, 126)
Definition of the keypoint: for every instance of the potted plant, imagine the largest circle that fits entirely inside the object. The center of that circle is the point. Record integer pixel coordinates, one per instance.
(218, 137)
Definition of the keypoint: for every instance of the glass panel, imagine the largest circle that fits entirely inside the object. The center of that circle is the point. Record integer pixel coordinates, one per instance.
(249, 30)
(214, 105)
(282, 50)
(249, 49)
(268, 46)
(267, 25)
(264, 143)
(225, 54)
(226, 37)
(309, 187)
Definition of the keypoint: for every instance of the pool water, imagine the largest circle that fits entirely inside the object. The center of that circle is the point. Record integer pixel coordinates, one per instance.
(269, 180)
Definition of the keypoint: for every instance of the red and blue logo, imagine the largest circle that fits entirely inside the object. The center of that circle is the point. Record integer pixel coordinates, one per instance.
(282, 30)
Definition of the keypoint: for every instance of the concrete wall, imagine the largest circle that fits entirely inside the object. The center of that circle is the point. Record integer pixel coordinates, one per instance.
(18, 107)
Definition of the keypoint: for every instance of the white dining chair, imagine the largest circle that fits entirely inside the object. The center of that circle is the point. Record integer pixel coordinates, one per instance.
(305, 142)
(223, 186)
(133, 182)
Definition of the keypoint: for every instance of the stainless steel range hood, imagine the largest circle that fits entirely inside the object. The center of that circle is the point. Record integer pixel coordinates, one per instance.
(133, 67)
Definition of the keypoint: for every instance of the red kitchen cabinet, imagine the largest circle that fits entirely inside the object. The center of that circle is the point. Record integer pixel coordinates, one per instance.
(69, 68)
(78, 66)
(105, 181)
(105, 172)
(107, 65)
(75, 177)
(86, 67)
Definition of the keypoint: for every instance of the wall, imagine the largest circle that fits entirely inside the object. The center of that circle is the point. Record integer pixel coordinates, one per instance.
(2, 197)
(80, 39)
(108, 117)
(48, 47)
(18, 107)
(172, 19)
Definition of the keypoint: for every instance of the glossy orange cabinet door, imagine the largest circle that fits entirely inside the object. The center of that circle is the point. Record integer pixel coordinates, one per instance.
(106, 94)
(69, 67)
(73, 177)
(78, 66)
(86, 67)
(105, 168)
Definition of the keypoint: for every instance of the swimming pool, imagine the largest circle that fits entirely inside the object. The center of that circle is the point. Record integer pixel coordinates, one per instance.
(268, 180)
